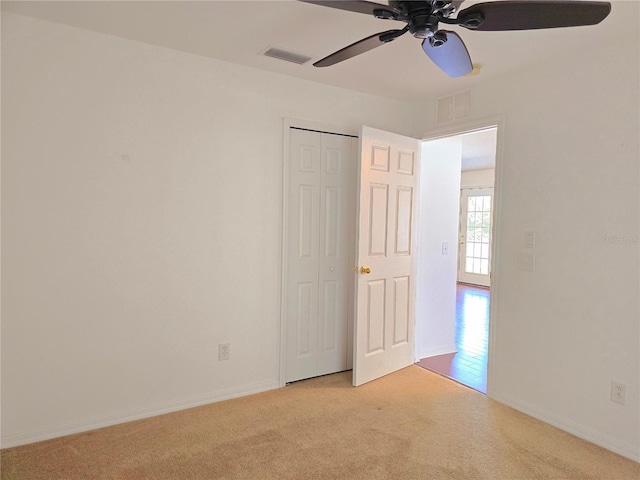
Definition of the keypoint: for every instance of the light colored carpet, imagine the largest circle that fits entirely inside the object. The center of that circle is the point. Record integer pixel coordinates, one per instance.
(412, 424)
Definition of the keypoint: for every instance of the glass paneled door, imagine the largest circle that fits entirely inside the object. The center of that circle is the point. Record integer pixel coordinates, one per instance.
(474, 253)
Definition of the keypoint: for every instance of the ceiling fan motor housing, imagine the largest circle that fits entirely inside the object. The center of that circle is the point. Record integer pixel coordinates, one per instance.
(419, 15)
(423, 26)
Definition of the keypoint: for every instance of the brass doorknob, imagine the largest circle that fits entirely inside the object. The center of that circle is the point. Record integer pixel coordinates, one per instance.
(365, 270)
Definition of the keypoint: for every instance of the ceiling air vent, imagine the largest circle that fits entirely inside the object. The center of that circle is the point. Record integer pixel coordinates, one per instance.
(453, 107)
(281, 54)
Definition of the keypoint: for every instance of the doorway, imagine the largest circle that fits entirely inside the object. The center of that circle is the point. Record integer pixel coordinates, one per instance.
(465, 317)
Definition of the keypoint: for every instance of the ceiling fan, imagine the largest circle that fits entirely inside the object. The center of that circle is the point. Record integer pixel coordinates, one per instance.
(444, 47)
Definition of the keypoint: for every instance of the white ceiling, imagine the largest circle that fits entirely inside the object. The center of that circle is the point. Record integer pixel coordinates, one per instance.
(479, 149)
(239, 31)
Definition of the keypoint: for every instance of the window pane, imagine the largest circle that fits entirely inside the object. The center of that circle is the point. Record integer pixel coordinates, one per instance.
(470, 246)
(469, 265)
(484, 267)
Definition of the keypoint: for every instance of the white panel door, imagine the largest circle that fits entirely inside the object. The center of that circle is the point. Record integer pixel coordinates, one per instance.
(476, 221)
(302, 255)
(385, 289)
(320, 253)
(338, 156)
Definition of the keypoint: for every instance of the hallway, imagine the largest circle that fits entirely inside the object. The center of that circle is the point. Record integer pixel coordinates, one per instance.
(469, 365)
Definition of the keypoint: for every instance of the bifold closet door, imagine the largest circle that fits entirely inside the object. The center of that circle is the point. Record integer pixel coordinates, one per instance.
(320, 253)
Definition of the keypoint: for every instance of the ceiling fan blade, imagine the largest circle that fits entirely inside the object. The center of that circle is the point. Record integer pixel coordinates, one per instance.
(452, 56)
(359, 47)
(353, 6)
(531, 15)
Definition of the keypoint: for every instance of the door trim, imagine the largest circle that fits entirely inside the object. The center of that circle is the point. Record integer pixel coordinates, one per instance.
(466, 127)
(287, 124)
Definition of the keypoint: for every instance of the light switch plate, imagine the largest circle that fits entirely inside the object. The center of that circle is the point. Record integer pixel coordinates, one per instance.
(527, 262)
(529, 239)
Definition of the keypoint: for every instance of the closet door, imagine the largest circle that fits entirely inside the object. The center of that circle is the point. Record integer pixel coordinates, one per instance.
(320, 253)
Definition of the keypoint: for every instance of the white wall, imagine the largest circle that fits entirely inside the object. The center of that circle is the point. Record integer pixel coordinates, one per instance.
(439, 213)
(141, 223)
(478, 178)
(569, 170)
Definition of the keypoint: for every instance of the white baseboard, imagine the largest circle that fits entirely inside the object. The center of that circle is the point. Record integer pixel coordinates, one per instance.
(86, 424)
(621, 448)
(438, 350)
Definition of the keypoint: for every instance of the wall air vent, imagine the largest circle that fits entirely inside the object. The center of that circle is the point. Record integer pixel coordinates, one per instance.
(281, 54)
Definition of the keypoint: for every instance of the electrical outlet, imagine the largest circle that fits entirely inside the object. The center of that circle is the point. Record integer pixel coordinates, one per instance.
(224, 351)
(618, 392)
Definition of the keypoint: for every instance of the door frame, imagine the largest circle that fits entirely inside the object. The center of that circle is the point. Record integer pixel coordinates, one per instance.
(452, 130)
(287, 124)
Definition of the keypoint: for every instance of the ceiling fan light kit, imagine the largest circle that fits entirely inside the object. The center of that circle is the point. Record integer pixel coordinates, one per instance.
(445, 47)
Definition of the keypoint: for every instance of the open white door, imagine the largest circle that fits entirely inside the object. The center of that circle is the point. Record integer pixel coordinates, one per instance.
(385, 289)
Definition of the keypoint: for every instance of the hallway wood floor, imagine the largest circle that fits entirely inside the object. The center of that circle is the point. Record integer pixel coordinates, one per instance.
(469, 365)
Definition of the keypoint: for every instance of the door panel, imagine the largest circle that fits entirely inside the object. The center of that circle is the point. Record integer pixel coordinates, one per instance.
(330, 315)
(305, 318)
(375, 316)
(302, 256)
(386, 231)
(308, 222)
(337, 214)
(401, 296)
(404, 210)
(378, 220)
